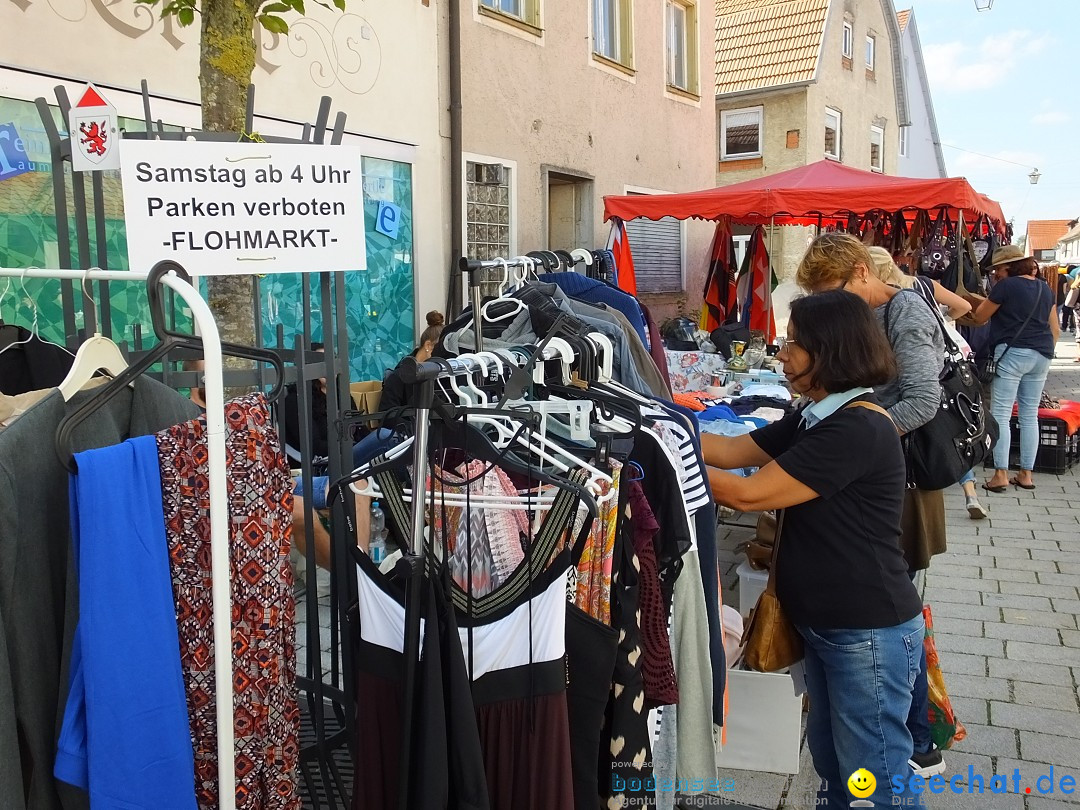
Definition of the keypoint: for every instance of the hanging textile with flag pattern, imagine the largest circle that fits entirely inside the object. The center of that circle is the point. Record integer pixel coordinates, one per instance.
(720, 294)
(755, 287)
(619, 244)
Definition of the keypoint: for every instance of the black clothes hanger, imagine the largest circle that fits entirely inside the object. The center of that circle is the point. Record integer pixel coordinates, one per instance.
(169, 340)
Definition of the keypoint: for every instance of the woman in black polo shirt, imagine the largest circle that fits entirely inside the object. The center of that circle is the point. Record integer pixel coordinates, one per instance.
(837, 471)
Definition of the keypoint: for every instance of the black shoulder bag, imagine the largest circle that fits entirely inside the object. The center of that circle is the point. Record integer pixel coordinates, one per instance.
(988, 364)
(961, 434)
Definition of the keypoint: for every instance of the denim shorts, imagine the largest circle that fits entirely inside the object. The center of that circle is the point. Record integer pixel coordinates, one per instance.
(320, 483)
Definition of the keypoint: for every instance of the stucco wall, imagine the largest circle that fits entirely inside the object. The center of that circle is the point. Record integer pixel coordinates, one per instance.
(545, 102)
(368, 60)
(921, 158)
(782, 112)
(863, 101)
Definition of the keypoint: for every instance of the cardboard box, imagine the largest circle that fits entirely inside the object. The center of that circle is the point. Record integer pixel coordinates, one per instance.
(763, 723)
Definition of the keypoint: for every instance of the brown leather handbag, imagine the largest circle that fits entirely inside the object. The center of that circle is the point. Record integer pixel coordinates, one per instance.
(771, 641)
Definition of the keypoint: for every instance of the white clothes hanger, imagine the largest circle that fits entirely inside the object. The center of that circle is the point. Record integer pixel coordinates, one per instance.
(581, 255)
(607, 356)
(33, 330)
(95, 354)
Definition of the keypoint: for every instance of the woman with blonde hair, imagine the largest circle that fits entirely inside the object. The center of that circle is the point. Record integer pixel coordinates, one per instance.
(940, 298)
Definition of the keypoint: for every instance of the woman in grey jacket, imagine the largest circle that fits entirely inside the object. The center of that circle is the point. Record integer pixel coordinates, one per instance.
(840, 261)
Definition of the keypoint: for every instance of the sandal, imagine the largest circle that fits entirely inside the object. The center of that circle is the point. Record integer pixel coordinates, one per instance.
(998, 490)
(1015, 481)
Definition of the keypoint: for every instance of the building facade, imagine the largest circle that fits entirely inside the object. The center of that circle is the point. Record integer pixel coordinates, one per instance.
(566, 101)
(368, 59)
(1042, 237)
(919, 145)
(798, 81)
(1068, 248)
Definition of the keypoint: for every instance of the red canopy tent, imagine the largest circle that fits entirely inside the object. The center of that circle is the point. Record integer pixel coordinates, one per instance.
(808, 194)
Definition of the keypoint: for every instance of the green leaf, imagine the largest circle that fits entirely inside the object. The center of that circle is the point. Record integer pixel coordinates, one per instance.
(148, 2)
(186, 15)
(298, 5)
(340, 4)
(275, 25)
(276, 8)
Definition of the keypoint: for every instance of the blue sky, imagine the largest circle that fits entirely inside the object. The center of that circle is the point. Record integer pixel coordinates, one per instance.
(1004, 85)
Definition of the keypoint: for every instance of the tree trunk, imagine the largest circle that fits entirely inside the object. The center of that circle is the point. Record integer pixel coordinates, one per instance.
(226, 61)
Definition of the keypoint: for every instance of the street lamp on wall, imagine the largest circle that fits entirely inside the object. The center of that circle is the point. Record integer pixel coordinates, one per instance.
(1034, 176)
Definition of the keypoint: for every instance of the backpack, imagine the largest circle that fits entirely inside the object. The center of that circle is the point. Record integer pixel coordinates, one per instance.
(961, 434)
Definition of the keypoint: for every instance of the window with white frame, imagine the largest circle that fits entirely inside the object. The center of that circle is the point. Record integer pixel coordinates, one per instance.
(682, 38)
(877, 149)
(903, 141)
(741, 133)
(870, 43)
(833, 121)
(849, 40)
(526, 11)
(487, 210)
(613, 30)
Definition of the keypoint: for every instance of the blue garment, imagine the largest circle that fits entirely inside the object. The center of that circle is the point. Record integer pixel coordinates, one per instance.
(860, 684)
(125, 737)
(597, 292)
(969, 478)
(717, 412)
(1021, 375)
(816, 411)
(1015, 298)
(918, 721)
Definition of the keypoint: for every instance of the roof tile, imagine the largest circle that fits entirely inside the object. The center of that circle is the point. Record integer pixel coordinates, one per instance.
(1044, 234)
(767, 43)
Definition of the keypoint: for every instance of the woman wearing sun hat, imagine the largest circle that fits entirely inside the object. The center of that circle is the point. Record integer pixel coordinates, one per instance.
(1023, 332)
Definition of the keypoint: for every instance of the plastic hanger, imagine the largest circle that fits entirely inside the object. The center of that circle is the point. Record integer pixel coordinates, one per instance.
(581, 255)
(96, 354)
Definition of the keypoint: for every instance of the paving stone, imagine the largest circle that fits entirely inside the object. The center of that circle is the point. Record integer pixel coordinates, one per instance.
(1058, 579)
(1070, 637)
(960, 759)
(1000, 527)
(983, 739)
(1031, 718)
(961, 627)
(1039, 618)
(1020, 632)
(961, 611)
(1005, 551)
(1041, 694)
(1046, 803)
(947, 569)
(977, 686)
(947, 643)
(963, 558)
(975, 709)
(1042, 539)
(976, 584)
(1069, 568)
(1043, 747)
(1017, 564)
(974, 801)
(1057, 556)
(1038, 589)
(1063, 511)
(1044, 653)
(1031, 672)
(962, 664)
(934, 594)
(1016, 601)
(1067, 526)
(1067, 605)
(1008, 574)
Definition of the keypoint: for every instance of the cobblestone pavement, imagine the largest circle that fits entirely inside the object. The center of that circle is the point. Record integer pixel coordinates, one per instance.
(1006, 607)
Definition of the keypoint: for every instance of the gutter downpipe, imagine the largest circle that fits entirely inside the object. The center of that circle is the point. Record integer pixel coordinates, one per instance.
(457, 222)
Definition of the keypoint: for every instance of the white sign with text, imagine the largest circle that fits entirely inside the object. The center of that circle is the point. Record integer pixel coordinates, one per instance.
(242, 208)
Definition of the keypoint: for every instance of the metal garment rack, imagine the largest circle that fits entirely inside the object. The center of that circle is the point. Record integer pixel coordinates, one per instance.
(219, 525)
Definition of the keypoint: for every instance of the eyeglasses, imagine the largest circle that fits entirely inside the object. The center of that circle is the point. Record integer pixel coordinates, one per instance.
(782, 343)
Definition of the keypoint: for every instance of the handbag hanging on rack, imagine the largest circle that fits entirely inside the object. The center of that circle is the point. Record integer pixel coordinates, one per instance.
(935, 250)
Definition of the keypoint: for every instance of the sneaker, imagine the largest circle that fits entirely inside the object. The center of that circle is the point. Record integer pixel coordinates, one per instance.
(928, 764)
(976, 511)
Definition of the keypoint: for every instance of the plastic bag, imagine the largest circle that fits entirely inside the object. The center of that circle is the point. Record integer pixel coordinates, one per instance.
(945, 727)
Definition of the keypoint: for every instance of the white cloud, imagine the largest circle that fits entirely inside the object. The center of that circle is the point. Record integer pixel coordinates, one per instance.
(957, 67)
(1051, 117)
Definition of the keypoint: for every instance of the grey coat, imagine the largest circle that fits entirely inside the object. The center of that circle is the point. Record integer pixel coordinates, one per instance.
(38, 591)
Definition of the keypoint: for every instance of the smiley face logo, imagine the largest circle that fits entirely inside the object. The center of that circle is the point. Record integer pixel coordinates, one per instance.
(861, 783)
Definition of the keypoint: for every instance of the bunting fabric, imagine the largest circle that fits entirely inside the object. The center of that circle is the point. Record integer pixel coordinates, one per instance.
(619, 244)
(755, 287)
(720, 294)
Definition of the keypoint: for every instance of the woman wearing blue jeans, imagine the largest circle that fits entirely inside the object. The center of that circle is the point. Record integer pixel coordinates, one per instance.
(836, 469)
(1023, 332)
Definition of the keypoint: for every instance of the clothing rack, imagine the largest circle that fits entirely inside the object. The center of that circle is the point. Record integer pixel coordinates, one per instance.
(219, 527)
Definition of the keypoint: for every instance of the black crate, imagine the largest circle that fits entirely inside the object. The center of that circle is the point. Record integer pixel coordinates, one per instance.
(1057, 451)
